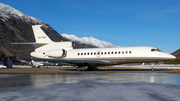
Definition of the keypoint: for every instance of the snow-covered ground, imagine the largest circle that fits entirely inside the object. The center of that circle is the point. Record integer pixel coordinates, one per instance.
(22, 66)
(91, 87)
(161, 66)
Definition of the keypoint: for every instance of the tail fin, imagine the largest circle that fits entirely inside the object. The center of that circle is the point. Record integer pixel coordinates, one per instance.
(40, 36)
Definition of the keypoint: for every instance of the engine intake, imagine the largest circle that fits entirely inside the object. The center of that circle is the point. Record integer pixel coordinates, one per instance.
(56, 53)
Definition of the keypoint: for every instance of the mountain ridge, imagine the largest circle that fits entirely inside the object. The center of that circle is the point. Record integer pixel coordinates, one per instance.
(177, 53)
(89, 40)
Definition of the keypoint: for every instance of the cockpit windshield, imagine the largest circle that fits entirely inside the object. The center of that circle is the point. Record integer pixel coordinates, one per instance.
(155, 50)
(159, 50)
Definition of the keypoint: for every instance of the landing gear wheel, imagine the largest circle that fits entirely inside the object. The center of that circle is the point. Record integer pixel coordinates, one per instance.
(152, 65)
(90, 68)
(152, 69)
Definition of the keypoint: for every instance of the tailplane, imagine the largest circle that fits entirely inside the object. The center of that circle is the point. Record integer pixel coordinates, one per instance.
(43, 42)
(40, 36)
(9, 55)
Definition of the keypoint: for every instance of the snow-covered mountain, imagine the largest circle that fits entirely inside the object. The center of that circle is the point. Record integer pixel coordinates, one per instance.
(89, 40)
(6, 12)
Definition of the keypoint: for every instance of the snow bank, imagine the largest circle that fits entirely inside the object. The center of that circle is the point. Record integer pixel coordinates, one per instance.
(162, 66)
(22, 66)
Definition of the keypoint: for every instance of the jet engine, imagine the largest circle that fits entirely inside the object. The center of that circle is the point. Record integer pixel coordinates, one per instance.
(55, 53)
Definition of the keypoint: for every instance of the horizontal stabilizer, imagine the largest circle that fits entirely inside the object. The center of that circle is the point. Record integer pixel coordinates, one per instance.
(25, 43)
(9, 55)
(29, 43)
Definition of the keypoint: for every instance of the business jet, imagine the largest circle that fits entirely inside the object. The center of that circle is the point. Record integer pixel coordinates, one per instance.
(63, 52)
(36, 64)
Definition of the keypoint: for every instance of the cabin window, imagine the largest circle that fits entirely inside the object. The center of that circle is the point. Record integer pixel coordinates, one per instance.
(112, 52)
(115, 52)
(122, 52)
(78, 53)
(126, 52)
(108, 52)
(94, 53)
(84, 53)
(105, 53)
(101, 53)
(98, 53)
(91, 53)
(119, 52)
(81, 53)
(130, 52)
(87, 53)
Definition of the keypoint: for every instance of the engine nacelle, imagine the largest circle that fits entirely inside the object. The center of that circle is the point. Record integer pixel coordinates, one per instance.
(55, 53)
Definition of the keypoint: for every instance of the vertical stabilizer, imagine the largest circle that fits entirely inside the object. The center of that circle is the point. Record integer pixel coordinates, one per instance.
(40, 36)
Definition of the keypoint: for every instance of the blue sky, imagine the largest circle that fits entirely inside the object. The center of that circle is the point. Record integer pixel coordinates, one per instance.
(121, 22)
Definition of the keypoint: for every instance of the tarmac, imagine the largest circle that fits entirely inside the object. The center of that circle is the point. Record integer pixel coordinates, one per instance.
(90, 87)
(74, 70)
(105, 84)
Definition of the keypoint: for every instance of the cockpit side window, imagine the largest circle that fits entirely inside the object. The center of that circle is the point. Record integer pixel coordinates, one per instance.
(155, 50)
(159, 50)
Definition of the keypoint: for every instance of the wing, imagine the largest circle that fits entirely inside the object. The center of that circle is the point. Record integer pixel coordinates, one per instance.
(75, 62)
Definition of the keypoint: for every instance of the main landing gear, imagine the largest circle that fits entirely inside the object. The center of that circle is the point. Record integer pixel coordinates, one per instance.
(90, 68)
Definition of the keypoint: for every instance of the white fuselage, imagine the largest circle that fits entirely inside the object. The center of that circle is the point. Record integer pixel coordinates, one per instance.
(117, 55)
(46, 49)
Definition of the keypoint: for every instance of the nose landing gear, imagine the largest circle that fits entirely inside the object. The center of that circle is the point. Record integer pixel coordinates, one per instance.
(90, 68)
(152, 65)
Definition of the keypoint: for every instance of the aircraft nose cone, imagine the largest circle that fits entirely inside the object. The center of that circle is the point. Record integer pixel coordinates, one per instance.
(173, 57)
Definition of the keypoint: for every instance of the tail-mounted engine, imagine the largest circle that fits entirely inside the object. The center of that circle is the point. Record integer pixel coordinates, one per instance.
(56, 53)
